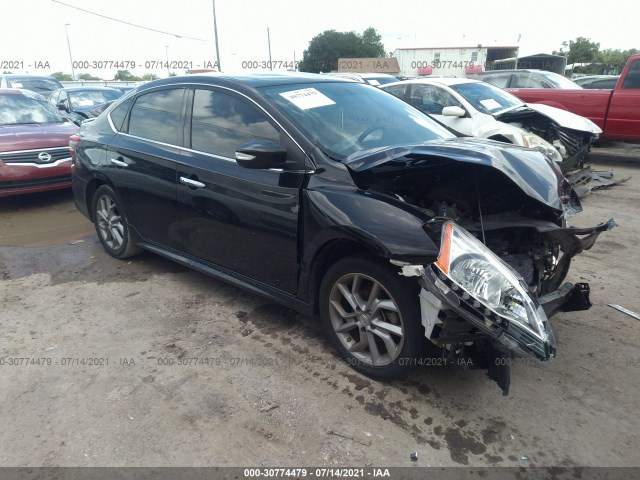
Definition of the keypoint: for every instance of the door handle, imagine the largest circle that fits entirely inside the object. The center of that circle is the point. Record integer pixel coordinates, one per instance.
(191, 183)
(118, 162)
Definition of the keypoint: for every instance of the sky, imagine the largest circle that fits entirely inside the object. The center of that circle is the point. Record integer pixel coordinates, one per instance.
(33, 40)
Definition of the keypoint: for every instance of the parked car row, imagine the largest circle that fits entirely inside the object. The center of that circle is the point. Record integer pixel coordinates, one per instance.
(80, 103)
(42, 84)
(34, 144)
(615, 111)
(335, 197)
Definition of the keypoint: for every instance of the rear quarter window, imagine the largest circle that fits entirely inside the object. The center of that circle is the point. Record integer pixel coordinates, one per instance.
(119, 113)
(156, 115)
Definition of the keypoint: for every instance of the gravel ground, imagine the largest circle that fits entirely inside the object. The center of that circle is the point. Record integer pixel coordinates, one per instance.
(146, 363)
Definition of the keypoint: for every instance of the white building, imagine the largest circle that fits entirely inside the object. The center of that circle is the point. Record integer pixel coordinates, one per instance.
(456, 61)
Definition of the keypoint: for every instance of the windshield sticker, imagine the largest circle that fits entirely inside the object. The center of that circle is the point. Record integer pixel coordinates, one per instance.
(307, 98)
(490, 104)
(373, 81)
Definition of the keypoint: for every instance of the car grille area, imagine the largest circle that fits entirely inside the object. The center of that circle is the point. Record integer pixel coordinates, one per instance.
(39, 157)
(572, 141)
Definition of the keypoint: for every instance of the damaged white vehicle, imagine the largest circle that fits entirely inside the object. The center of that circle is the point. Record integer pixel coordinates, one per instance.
(478, 109)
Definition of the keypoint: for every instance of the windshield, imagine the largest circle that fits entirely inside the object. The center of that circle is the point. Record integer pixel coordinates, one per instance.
(486, 98)
(558, 81)
(344, 118)
(88, 98)
(40, 85)
(18, 109)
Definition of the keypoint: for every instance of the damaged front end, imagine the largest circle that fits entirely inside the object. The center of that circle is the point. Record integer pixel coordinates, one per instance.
(482, 312)
(505, 250)
(571, 135)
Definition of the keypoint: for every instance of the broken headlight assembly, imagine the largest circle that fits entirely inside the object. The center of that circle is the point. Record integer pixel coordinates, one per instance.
(531, 140)
(491, 294)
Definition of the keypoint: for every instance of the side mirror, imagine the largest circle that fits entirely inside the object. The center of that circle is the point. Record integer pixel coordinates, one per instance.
(453, 112)
(261, 154)
(61, 106)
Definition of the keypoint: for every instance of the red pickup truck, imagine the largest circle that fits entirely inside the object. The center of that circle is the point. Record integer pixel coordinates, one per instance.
(616, 112)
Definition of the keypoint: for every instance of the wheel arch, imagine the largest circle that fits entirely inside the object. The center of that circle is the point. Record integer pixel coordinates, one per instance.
(331, 252)
(94, 184)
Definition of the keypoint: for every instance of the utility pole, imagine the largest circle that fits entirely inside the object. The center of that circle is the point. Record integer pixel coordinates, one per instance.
(166, 53)
(269, 42)
(518, 51)
(73, 73)
(215, 33)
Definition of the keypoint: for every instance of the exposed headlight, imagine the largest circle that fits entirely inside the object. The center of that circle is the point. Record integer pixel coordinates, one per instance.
(531, 140)
(485, 278)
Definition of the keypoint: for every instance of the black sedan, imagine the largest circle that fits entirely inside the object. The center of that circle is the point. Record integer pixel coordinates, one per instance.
(80, 103)
(335, 197)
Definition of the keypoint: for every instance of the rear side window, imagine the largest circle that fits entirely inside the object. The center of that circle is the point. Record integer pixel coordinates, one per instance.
(632, 80)
(156, 115)
(525, 80)
(397, 90)
(501, 81)
(119, 113)
(221, 123)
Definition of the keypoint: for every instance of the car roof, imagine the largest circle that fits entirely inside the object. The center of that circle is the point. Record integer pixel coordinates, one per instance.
(18, 75)
(254, 80)
(448, 81)
(88, 87)
(21, 91)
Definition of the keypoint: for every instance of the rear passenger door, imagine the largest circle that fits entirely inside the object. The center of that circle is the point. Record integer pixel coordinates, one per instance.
(240, 219)
(141, 160)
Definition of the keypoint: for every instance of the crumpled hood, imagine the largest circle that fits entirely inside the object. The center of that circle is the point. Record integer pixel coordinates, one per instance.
(527, 168)
(565, 118)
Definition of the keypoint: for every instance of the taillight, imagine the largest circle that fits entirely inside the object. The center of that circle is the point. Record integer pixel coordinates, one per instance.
(73, 145)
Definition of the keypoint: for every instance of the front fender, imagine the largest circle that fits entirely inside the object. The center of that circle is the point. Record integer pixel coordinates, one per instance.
(385, 226)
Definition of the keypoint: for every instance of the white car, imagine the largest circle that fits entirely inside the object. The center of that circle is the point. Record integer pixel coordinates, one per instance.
(479, 109)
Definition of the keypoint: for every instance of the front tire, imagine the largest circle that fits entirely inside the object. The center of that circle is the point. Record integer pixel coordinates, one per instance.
(111, 224)
(371, 314)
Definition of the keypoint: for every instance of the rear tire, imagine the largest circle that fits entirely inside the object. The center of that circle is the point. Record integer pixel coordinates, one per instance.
(371, 314)
(111, 224)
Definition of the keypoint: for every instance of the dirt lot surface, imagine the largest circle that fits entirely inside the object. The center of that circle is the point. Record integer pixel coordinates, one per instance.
(146, 363)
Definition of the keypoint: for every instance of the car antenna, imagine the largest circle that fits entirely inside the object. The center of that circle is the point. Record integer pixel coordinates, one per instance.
(475, 176)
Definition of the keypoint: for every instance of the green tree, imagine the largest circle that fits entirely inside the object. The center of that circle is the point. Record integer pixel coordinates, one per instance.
(148, 77)
(125, 76)
(614, 59)
(372, 43)
(582, 50)
(62, 77)
(326, 48)
(87, 76)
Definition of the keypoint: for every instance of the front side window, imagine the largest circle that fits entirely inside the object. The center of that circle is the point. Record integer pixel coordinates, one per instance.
(156, 115)
(431, 99)
(220, 123)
